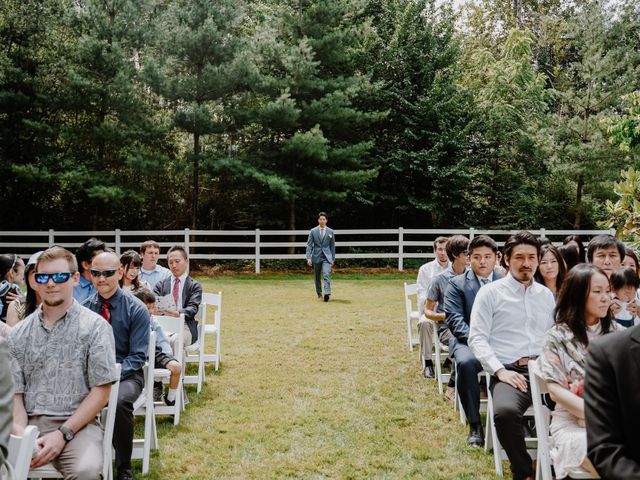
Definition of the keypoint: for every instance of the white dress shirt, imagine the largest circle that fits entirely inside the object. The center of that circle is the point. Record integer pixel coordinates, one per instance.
(508, 322)
(425, 275)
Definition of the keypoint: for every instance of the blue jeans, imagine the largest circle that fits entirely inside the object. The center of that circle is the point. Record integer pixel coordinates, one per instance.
(324, 268)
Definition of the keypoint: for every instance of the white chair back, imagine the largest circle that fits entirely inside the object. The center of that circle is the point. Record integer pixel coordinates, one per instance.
(541, 415)
(411, 290)
(108, 420)
(20, 452)
(171, 325)
(144, 406)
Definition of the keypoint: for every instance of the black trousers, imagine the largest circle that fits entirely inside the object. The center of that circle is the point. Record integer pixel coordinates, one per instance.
(130, 389)
(509, 405)
(467, 369)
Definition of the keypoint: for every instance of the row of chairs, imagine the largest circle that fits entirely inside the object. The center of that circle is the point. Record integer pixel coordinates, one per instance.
(538, 445)
(21, 448)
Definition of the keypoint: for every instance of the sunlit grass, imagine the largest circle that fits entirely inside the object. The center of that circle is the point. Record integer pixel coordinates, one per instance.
(316, 390)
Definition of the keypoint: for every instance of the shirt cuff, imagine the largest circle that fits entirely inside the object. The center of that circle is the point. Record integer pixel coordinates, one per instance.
(494, 365)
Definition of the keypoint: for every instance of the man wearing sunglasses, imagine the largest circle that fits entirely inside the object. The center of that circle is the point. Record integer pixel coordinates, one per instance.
(63, 364)
(130, 321)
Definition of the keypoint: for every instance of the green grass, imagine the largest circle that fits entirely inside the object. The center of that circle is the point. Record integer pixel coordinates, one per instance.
(316, 390)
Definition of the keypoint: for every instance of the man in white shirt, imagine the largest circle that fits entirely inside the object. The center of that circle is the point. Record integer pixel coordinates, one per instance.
(151, 272)
(425, 275)
(508, 322)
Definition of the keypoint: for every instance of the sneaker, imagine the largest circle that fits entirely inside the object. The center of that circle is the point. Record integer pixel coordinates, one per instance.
(194, 347)
(450, 394)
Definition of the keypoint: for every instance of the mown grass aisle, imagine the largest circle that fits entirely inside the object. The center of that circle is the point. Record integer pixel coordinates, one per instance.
(309, 389)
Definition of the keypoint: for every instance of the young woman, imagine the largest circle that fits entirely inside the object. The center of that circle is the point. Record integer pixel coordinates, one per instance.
(570, 256)
(630, 260)
(551, 268)
(11, 275)
(582, 313)
(23, 307)
(131, 262)
(576, 242)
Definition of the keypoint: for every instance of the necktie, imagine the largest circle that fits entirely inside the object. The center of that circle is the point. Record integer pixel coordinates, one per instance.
(105, 312)
(176, 289)
(484, 281)
(322, 234)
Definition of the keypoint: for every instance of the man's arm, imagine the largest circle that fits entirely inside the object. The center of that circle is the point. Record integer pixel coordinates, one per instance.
(309, 251)
(480, 331)
(194, 300)
(19, 415)
(605, 439)
(51, 444)
(333, 246)
(138, 341)
(430, 311)
(454, 312)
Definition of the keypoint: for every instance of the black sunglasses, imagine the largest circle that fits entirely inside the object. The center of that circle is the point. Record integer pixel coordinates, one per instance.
(59, 277)
(102, 273)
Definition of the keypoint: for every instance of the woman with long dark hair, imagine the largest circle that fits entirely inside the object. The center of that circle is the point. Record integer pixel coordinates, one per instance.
(582, 314)
(11, 276)
(576, 242)
(131, 262)
(551, 268)
(23, 307)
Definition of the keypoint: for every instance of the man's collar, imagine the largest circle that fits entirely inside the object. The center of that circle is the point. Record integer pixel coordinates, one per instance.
(144, 270)
(517, 286)
(84, 283)
(114, 297)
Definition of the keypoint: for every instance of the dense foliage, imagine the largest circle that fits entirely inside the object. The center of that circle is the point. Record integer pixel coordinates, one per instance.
(259, 113)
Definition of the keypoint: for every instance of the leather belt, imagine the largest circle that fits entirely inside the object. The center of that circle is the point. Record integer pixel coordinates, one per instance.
(524, 361)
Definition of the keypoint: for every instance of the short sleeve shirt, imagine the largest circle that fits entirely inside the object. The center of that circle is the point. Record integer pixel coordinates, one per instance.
(438, 288)
(55, 368)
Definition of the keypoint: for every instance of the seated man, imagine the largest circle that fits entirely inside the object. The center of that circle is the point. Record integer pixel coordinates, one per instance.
(150, 271)
(63, 365)
(186, 292)
(85, 253)
(458, 302)
(164, 353)
(508, 323)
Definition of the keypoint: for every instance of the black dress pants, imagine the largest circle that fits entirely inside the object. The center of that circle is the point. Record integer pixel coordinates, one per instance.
(509, 405)
(467, 369)
(130, 389)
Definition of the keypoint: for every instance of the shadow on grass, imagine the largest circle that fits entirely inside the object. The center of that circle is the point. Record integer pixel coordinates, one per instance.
(339, 300)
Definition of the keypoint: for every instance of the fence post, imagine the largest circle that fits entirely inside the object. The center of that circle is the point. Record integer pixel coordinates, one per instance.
(472, 233)
(52, 238)
(257, 250)
(400, 247)
(543, 235)
(186, 241)
(612, 231)
(118, 241)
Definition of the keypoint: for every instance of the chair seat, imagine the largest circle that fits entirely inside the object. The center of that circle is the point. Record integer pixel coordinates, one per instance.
(45, 471)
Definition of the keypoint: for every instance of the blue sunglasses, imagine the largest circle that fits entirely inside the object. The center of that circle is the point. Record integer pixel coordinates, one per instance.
(59, 277)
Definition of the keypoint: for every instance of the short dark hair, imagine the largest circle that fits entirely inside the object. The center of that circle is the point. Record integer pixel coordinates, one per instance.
(323, 214)
(572, 299)
(523, 237)
(483, 241)
(603, 242)
(149, 244)
(624, 277)
(178, 248)
(439, 240)
(87, 251)
(456, 245)
(145, 295)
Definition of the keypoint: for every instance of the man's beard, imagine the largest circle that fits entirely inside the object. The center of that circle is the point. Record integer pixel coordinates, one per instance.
(55, 303)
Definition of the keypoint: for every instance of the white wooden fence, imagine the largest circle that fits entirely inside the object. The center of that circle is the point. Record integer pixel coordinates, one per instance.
(258, 245)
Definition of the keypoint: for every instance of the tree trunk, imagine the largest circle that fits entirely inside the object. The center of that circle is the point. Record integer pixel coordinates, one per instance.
(579, 189)
(292, 224)
(196, 180)
(519, 14)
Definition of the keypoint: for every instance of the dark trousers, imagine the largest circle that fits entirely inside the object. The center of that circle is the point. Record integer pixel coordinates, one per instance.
(467, 369)
(509, 405)
(130, 390)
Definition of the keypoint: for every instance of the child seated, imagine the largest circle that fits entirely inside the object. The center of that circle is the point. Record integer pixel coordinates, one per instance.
(164, 355)
(624, 287)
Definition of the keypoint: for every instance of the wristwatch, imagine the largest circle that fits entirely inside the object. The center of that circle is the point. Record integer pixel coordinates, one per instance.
(67, 433)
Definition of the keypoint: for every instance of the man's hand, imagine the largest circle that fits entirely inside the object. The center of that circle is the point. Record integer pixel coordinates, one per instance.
(49, 447)
(512, 378)
(309, 262)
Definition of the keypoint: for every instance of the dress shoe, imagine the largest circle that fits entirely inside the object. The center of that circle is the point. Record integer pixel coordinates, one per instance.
(194, 347)
(428, 372)
(326, 297)
(476, 437)
(319, 295)
(169, 403)
(157, 391)
(125, 474)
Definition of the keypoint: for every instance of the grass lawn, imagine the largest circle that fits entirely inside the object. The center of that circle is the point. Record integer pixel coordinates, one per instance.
(316, 390)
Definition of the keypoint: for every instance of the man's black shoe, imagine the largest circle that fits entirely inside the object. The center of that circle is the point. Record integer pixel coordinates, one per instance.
(125, 474)
(169, 403)
(157, 391)
(326, 297)
(476, 436)
(319, 295)
(428, 372)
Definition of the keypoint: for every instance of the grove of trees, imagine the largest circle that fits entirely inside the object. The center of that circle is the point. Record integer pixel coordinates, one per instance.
(240, 114)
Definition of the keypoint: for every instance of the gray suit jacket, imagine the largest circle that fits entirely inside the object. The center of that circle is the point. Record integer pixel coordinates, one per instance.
(318, 249)
(191, 299)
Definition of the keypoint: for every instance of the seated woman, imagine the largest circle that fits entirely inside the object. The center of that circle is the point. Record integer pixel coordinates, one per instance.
(582, 313)
(551, 269)
(131, 262)
(25, 306)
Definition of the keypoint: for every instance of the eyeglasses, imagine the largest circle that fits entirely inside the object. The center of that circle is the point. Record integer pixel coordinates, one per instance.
(102, 273)
(59, 277)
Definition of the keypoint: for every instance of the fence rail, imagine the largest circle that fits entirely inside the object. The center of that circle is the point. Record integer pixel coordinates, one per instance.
(258, 245)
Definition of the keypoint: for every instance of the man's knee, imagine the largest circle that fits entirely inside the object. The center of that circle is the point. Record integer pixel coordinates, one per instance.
(85, 471)
(505, 414)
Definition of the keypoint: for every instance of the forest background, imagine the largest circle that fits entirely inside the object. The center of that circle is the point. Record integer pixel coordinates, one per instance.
(242, 114)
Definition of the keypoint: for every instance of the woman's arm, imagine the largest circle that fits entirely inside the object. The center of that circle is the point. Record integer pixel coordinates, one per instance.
(569, 400)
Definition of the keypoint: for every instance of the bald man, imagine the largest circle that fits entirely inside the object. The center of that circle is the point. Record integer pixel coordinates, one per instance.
(129, 319)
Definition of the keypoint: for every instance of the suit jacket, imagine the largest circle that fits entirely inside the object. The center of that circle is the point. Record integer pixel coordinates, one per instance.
(191, 299)
(458, 302)
(318, 249)
(612, 400)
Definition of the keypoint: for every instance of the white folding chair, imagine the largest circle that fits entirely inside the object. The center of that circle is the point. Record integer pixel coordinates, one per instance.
(171, 325)
(491, 437)
(411, 314)
(144, 406)
(209, 301)
(542, 418)
(483, 402)
(21, 451)
(438, 360)
(108, 418)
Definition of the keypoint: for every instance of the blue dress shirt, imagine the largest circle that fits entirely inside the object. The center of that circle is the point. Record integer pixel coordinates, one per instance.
(83, 290)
